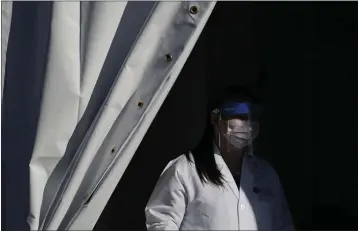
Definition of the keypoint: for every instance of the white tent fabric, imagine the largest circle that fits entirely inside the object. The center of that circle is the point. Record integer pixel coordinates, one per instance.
(6, 12)
(96, 110)
(67, 90)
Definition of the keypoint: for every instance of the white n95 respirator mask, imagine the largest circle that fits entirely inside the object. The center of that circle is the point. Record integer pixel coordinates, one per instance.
(239, 133)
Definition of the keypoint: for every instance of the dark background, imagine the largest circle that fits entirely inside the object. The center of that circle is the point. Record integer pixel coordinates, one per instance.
(301, 60)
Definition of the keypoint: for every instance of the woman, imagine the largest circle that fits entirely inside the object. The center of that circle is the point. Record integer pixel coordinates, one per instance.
(221, 185)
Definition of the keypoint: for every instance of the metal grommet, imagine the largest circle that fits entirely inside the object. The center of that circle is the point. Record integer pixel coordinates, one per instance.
(113, 150)
(140, 104)
(193, 10)
(168, 57)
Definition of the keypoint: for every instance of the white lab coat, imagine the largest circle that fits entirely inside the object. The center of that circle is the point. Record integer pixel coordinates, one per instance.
(181, 202)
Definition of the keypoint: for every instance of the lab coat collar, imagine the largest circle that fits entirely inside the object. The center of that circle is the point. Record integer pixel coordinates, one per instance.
(249, 164)
(247, 176)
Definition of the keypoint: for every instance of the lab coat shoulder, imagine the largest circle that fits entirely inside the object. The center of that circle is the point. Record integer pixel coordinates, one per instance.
(166, 206)
(265, 168)
(178, 166)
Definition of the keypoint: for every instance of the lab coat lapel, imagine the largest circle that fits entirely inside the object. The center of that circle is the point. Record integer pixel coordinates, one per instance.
(253, 213)
(225, 171)
(229, 179)
(248, 199)
(255, 208)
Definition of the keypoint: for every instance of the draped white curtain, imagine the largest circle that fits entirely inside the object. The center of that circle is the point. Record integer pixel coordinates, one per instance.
(82, 34)
(68, 89)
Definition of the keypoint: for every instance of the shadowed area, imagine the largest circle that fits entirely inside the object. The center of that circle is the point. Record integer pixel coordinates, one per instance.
(300, 59)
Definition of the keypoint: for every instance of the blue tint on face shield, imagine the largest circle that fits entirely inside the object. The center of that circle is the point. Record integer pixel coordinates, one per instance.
(240, 108)
(232, 108)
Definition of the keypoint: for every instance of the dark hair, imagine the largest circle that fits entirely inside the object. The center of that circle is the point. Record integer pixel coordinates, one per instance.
(203, 153)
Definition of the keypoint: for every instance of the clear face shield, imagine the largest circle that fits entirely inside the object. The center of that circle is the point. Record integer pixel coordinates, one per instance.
(238, 126)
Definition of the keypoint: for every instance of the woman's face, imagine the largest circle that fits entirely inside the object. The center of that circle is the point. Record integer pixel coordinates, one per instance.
(233, 133)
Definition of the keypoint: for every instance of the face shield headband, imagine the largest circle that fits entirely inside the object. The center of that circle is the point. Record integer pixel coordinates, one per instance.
(229, 109)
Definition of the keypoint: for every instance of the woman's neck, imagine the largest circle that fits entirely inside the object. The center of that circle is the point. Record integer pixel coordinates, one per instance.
(233, 160)
(232, 156)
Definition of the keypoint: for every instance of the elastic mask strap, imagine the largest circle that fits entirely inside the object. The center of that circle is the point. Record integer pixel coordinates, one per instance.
(219, 128)
(250, 144)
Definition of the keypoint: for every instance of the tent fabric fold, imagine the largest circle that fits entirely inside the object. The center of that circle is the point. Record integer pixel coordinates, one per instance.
(24, 80)
(107, 69)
